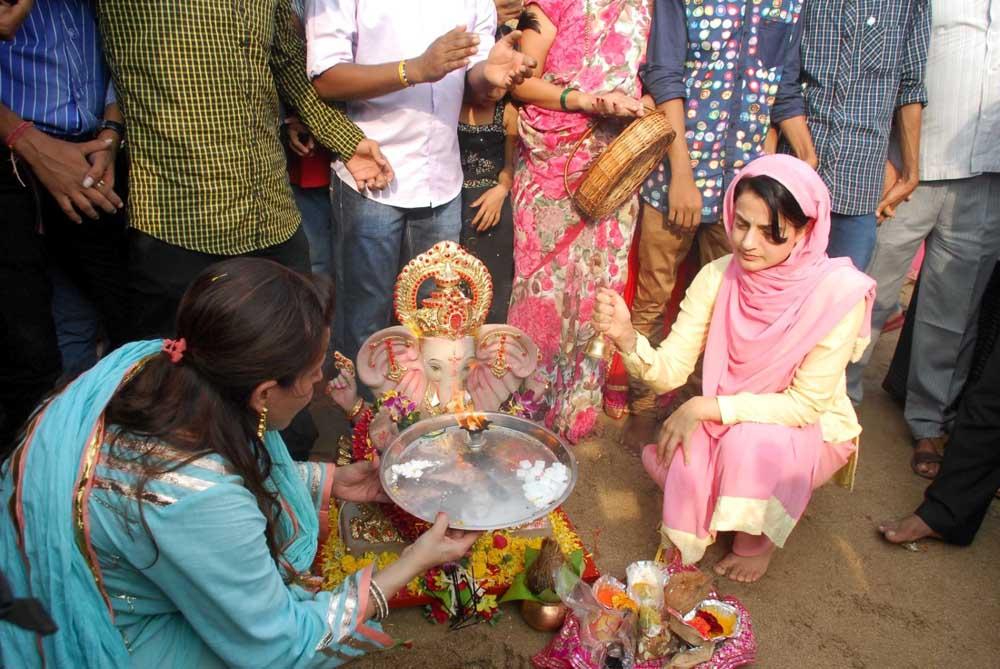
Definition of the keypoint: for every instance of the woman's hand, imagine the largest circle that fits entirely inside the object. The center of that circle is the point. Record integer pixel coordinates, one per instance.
(677, 430)
(611, 318)
(614, 103)
(439, 545)
(359, 482)
(490, 206)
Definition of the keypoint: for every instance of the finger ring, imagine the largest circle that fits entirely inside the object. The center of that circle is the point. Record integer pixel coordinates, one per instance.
(100, 184)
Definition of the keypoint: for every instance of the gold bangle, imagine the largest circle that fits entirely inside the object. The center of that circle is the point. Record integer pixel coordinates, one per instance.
(402, 74)
(356, 409)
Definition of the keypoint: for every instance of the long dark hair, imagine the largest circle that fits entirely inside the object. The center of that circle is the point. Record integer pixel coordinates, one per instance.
(244, 321)
(779, 201)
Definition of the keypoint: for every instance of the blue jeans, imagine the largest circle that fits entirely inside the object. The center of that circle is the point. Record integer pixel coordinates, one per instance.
(77, 324)
(314, 207)
(853, 237)
(372, 243)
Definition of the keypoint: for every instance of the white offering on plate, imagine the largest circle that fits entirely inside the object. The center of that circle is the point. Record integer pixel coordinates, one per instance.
(542, 485)
(413, 469)
(519, 474)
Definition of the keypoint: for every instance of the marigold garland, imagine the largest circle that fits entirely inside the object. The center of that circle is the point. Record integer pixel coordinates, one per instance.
(495, 559)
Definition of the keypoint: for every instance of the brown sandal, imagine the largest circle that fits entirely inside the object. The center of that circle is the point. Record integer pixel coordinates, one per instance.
(921, 458)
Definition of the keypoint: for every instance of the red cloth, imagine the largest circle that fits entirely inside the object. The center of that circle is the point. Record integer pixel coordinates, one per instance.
(313, 171)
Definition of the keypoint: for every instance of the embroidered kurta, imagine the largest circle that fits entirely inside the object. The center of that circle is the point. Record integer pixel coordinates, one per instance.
(817, 392)
(208, 592)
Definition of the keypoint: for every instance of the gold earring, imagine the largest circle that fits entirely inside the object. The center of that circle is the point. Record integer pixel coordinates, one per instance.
(262, 423)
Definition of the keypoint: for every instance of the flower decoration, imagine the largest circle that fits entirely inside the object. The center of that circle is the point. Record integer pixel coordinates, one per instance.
(402, 411)
(524, 405)
(494, 562)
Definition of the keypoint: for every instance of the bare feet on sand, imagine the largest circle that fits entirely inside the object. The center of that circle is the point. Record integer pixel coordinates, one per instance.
(744, 569)
(911, 528)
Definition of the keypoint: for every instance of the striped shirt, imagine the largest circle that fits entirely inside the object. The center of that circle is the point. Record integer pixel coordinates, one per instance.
(53, 73)
(960, 136)
(199, 84)
(860, 60)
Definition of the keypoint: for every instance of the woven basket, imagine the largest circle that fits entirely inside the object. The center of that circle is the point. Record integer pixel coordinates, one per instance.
(619, 171)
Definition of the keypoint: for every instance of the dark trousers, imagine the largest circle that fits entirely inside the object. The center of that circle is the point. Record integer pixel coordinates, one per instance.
(161, 273)
(34, 235)
(957, 500)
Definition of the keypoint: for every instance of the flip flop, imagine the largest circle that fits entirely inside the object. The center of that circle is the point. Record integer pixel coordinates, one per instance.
(925, 458)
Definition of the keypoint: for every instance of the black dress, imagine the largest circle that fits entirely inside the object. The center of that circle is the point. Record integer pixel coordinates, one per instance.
(482, 149)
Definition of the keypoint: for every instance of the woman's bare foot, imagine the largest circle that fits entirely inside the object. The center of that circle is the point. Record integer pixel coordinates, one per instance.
(911, 528)
(744, 569)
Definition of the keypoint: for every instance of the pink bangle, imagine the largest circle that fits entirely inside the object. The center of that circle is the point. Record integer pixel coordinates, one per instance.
(16, 133)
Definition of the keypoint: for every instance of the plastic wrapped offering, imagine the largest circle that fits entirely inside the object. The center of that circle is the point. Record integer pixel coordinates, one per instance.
(646, 581)
(601, 627)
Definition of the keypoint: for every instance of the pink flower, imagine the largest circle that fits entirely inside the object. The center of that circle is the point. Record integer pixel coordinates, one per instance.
(550, 221)
(527, 251)
(591, 79)
(615, 46)
(583, 425)
(538, 318)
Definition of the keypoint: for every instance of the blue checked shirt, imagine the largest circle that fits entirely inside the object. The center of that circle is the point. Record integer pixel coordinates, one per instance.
(53, 72)
(860, 60)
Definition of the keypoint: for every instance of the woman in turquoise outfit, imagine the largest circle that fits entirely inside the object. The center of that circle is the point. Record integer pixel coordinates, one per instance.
(154, 511)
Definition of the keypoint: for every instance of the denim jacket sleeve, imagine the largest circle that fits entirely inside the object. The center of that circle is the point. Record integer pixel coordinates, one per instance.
(663, 73)
(788, 102)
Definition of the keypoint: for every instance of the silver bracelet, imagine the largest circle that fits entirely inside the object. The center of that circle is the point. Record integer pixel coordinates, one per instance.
(381, 605)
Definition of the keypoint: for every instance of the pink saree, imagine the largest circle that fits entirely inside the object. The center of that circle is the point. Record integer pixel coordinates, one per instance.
(757, 478)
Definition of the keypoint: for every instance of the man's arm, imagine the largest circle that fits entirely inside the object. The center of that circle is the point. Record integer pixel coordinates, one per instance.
(288, 65)
(910, 101)
(12, 15)
(789, 110)
(351, 81)
(60, 166)
(903, 183)
(663, 76)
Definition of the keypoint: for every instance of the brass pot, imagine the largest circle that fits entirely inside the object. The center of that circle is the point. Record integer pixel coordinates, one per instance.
(543, 617)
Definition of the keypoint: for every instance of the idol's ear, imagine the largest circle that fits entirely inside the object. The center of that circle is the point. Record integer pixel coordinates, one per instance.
(506, 357)
(389, 360)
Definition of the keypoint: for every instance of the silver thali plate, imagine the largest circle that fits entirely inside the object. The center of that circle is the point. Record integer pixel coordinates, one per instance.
(437, 465)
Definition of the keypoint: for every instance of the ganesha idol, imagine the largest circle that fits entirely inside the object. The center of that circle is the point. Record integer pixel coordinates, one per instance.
(442, 358)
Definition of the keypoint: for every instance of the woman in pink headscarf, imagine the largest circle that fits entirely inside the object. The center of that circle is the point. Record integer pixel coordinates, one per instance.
(778, 322)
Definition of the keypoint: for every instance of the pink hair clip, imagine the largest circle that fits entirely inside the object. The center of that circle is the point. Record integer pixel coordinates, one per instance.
(175, 349)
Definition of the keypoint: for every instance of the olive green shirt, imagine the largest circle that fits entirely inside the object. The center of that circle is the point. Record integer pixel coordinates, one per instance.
(199, 84)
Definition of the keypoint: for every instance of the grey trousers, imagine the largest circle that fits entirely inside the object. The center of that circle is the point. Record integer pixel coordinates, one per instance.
(960, 220)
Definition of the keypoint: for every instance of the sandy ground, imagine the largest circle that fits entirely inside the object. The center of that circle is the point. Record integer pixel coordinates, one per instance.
(836, 596)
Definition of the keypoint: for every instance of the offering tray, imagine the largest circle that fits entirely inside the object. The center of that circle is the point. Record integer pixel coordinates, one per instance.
(487, 471)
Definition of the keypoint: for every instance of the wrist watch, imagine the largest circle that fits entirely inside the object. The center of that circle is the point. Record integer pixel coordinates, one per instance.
(117, 127)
